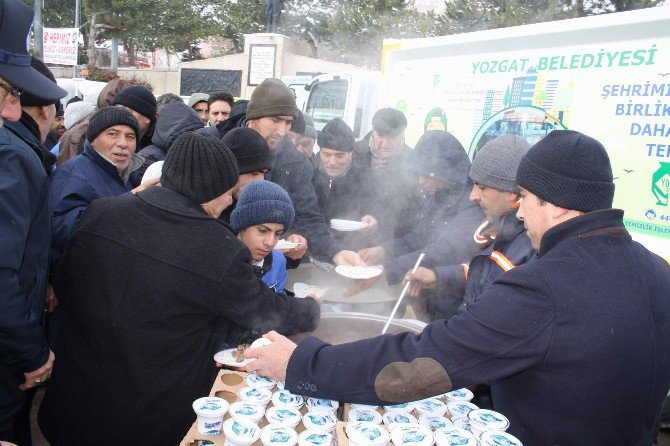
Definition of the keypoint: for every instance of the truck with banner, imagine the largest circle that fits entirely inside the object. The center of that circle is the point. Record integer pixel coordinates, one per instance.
(607, 76)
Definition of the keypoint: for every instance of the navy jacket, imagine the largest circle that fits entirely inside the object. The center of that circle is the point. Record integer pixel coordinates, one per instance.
(74, 186)
(165, 287)
(453, 292)
(293, 172)
(576, 344)
(175, 119)
(444, 232)
(24, 262)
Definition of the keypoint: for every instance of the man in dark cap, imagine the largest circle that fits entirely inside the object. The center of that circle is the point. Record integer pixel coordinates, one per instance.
(25, 227)
(395, 200)
(303, 135)
(576, 344)
(165, 286)
(141, 102)
(339, 185)
(102, 170)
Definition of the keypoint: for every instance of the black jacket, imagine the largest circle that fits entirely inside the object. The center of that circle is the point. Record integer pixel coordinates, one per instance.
(25, 228)
(164, 288)
(576, 344)
(175, 119)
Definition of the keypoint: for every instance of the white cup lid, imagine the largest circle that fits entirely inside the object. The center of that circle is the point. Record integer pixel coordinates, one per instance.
(312, 437)
(241, 431)
(210, 406)
(414, 434)
(278, 435)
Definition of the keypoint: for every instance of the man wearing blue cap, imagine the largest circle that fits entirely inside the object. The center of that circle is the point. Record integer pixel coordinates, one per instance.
(25, 227)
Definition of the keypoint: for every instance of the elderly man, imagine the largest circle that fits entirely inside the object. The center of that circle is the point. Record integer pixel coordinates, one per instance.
(152, 285)
(575, 342)
(501, 239)
(25, 227)
(102, 170)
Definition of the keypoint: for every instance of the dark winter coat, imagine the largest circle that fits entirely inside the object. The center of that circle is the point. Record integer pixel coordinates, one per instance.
(576, 344)
(175, 119)
(452, 292)
(344, 197)
(293, 172)
(74, 186)
(395, 199)
(165, 287)
(24, 262)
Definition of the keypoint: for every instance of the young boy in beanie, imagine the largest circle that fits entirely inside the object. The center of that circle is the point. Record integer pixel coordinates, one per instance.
(575, 343)
(262, 214)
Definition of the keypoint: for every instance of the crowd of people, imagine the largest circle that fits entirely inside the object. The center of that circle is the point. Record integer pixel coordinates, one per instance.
(139, 237)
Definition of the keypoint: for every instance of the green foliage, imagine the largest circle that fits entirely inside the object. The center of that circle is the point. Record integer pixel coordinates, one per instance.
(234, 18)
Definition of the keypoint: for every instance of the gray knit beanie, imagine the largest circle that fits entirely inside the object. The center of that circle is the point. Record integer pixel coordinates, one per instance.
(272, 98)
(261, 202)
(107, 117)
(197, 97)
(76, 112)
(199, 167)
(496, 163)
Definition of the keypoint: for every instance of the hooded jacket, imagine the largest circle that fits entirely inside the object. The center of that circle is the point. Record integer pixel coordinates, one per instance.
(175, 119)
(166, 287)
(24, 262)
(447, 220)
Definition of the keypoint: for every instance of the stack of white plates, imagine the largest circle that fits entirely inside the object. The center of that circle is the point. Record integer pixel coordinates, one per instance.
(347, 225)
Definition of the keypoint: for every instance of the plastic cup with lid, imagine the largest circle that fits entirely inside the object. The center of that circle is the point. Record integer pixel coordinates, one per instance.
(210, 411)
(240, 432)
(462, 423)
(284, 398)
(315, 438)
(367, 415)
(363, 406)
(260, 382)
(482, 420)
(459, 395)
(394, 417)
(431, 407)
(283, 416)
(498, 438)
(274, 435)
(411, 434)
(435, 422)
(460, 408)
(246, 411)
(453, 436)
(324, 421)
(321, 405)
(255, 395)
(367, 434)
(402, 407)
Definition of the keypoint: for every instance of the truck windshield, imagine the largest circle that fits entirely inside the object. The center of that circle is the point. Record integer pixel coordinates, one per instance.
(326, 101)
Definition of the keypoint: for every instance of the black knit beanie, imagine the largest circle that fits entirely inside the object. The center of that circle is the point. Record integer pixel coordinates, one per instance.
(336, 135)
(139, 98)
(199, 167)
(250, 149)
(272, 98)
(570, 170)
(28, 99)
(107, 117)
(389, 121)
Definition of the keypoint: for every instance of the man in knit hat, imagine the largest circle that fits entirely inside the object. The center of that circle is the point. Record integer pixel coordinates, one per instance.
(575, 343)
(26, 359)
(165, 286)
(102, 170)
(141, 102)
(303, 135)
(271, 112)
(396, 203)
(262, 214)
(200, 103)
(501, 240)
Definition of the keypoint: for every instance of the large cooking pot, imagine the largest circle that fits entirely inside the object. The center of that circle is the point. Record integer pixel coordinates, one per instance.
(379, 300)
(339, 328)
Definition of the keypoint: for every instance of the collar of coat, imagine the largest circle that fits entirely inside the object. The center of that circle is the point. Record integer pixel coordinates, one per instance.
(585, 223)
(175, 203)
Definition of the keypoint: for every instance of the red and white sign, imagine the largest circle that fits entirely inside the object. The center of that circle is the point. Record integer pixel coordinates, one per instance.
(60, 45)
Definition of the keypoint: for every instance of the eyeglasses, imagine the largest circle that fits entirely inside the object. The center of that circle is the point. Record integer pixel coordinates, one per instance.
(15, 92)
